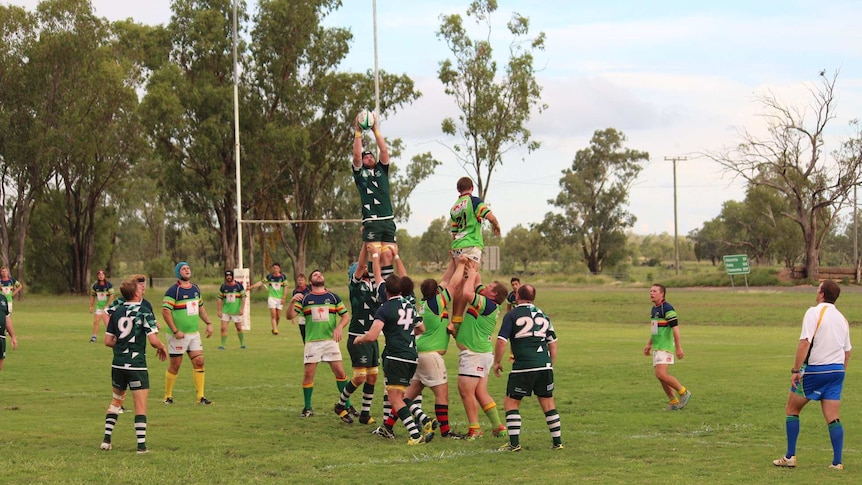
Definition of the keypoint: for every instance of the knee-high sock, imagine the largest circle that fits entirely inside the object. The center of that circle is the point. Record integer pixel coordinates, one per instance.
(141, 430)
(170, 380)
(791, 426)
(110, 422)
(552, 417)
(199, 377)
(513, 426)
(836, 435)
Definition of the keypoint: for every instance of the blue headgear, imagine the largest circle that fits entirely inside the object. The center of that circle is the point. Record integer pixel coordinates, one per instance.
(179, 266)
(351, 270)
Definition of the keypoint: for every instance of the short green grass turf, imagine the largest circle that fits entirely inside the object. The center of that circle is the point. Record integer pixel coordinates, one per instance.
(55, 388)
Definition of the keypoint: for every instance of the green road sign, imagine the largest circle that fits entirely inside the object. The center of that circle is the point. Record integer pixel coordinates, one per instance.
(736, 264)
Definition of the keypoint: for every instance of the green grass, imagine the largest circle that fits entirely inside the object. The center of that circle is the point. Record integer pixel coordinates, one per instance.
(55, 388)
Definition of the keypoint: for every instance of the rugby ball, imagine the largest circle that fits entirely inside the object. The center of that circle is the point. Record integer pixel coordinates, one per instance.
(365, 119)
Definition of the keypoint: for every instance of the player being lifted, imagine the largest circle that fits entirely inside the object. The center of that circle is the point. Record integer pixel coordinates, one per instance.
(371, 177)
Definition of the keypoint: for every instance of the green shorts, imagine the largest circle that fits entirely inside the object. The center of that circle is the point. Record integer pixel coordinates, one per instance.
(379, 231)
(524, 384)
(398, 372)
(134, 380)
(365, 355)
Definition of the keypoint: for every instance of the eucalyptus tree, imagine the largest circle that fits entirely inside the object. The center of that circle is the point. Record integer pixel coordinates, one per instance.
(494, 106)
(593, 194)
(188, 112)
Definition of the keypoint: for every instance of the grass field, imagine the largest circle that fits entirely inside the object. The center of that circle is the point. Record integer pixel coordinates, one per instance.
(55, 388)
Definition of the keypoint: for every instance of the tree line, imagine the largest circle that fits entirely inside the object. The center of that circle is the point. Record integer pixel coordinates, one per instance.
(118, 151)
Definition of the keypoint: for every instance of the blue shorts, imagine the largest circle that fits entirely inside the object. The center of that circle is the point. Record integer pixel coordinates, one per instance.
(821, 382)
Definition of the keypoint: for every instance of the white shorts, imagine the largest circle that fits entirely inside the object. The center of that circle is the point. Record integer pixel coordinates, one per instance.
(189, 343)
(474, 364)
(661, 357)
(274, 303)
(99, 311)
(472, 252)
(431, 370)
(321, 351)
(234, 318)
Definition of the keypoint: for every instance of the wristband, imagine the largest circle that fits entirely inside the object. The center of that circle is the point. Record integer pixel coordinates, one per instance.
(794, 371)
(358, 134)
(375, 255)
(376, 133)
(397, 257)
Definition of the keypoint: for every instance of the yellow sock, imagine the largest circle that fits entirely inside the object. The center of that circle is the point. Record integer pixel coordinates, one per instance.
(673, 401)
(457, 320)
(681, 391)
(198, 376)
(170, 380)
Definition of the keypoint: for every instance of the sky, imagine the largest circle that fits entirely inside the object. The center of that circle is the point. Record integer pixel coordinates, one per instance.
(678, 78)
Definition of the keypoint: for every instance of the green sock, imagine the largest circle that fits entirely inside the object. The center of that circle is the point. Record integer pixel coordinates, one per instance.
(492, 413)
(306, 394)
(241, 338)
(223, 340)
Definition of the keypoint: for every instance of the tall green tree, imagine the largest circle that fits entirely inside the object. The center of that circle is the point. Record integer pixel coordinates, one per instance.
(24, 166)
(791, 161)
(495, 103)
(593, 195)
(188, 111)
(301, 134)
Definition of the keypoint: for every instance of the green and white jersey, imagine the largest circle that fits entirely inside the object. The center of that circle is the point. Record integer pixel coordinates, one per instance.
(363, 303)
(373, 187)
(321, 312)
(399, 319)
(434, 316)
(476, 330)
(131, 326)
(528, 331)
(276, 285)
(231, 297)
(4, 312)
(466, 222)
(117, 302)
(185, 304)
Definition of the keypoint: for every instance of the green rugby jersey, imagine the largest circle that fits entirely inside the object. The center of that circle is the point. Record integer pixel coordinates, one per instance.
(373, 187)
(321, 311)
(399, 318)
(231, 297)
(184, 304)
(102, 293)
(528, 331)
(466, 222)
(662, 320)
(363, 303)
(4, 312)
(7, 287)
(131, 326)
(435, 318)
(478, 325)
(275, 284)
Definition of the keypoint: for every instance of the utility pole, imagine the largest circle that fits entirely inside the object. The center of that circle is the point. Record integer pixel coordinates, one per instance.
(675, 226)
